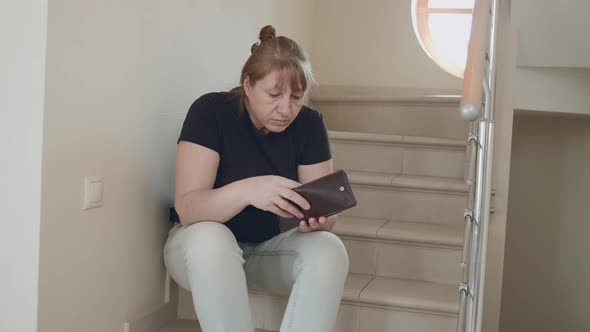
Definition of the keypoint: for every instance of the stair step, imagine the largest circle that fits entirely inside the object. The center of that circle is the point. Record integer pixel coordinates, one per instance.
(411, 294)
(181, 325)
(427, 183)
(399, 231)
(401, 294)
(397, 114)
(422, 199)
(432, 99)
(354, 285)
(340, 93)
(412, 232)
(402, 249)
(360, 137)
(409, 155)
(386, 300)
(187, 325)
(361, 289)
(355, 227)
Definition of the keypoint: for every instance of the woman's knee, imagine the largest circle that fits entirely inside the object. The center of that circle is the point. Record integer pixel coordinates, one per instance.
(325, 252)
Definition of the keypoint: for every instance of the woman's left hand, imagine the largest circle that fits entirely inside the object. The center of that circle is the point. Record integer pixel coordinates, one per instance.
(319, 224)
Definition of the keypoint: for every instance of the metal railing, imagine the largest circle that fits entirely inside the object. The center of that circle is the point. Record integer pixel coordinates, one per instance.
(478, 92)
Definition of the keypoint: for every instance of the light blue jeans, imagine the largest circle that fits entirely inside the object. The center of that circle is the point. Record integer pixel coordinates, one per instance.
(206, 259)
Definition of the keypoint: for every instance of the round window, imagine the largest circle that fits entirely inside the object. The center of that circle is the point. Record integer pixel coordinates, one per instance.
(443, 28)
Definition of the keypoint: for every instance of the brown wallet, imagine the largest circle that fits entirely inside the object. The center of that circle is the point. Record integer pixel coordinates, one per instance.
(327, 195)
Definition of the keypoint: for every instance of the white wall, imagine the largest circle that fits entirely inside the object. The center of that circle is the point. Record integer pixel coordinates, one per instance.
(23, 28)
(372, 43)
(120, 79)
(547, 271)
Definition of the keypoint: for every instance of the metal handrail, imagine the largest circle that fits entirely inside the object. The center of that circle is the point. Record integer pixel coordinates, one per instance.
(481, 143)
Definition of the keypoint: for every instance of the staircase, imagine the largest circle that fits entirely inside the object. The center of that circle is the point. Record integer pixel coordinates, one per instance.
(404, 152)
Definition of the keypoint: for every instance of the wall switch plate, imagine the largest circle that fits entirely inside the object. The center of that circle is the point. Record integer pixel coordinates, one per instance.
(93, 189)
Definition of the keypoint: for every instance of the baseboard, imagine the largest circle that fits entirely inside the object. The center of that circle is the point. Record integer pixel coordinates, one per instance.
(156, 319)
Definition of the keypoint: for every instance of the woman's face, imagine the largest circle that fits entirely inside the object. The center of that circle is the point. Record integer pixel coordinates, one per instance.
(272, 108)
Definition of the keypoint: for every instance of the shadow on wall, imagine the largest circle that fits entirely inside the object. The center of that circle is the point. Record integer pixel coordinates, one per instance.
(547, 271)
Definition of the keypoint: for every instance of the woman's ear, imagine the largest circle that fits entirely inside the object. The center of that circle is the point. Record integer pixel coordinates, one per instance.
(247, 87)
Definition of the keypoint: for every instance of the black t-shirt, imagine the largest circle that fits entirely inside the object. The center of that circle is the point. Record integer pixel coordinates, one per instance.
(216, 122)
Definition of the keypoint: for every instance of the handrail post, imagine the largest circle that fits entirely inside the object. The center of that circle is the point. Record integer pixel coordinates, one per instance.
(479, 82)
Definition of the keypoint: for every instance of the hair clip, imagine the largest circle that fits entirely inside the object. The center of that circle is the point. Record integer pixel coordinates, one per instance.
(254, 46)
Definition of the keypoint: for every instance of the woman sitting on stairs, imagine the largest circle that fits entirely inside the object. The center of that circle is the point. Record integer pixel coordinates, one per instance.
(239, 156)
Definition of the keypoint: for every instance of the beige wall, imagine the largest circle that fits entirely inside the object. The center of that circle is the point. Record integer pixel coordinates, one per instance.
(557, 90)
(120, 78)
(547, 271)
(553, 55)
(23, 36)
(372, 43)
(504, 103)
(552, 33)
(541, 90)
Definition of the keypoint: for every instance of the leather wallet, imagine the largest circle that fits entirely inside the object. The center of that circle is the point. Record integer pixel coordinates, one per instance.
(327, 195)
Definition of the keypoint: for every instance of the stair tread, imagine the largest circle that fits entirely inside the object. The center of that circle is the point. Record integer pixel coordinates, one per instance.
(371, 291)
(354, 285)
(394, 139)
(411, 294)
(338, 91)
(358, 227)
(407, 181)
(181, 325)
(399, 293)
(422, 232)
(402, 231)
(450, 99)
(185, 325)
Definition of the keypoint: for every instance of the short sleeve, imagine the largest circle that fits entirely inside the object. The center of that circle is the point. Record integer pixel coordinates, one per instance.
(315, 144)
(201, 125)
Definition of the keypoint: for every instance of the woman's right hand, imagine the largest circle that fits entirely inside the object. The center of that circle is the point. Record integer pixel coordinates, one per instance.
(272, 193)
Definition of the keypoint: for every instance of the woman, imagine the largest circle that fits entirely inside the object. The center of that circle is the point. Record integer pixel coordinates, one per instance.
(239, 156)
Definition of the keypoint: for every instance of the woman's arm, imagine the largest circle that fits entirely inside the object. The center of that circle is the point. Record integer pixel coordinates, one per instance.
(308, 173)
(195, 200)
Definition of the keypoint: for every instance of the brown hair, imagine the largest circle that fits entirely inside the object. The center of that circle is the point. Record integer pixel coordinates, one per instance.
(276, 53)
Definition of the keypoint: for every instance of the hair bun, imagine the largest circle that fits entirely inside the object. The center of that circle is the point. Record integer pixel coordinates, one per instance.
(266, 33)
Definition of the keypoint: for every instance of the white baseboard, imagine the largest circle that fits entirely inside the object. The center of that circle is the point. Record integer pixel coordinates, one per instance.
(156, 319)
